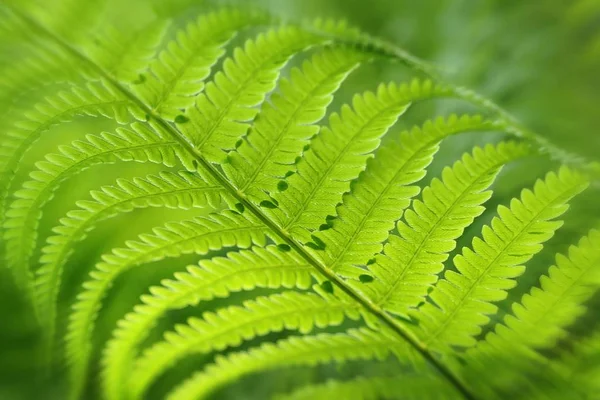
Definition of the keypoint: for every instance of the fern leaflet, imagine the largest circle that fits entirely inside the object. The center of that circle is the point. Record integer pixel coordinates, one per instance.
(412, 259)
(464, 298)
(230, 326)
(246, 270)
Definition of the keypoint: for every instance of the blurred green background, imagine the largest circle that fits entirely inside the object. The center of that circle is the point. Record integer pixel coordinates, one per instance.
(540, 60)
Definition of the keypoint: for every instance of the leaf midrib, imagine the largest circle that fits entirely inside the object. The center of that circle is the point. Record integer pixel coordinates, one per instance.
(385, 318)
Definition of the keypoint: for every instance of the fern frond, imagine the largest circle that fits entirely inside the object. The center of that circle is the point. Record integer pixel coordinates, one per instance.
(95, 99)
(199, 236)
(541, 317)
(406, 387)
(286, 123)
(183, 190)
(221, 114)
(231, 326)
(177, 75)
(359, 344)
(139, 143)
(339, 153)
(463, 299)
(245, 270)
(413, 258)
(308, 206)
(379, 196)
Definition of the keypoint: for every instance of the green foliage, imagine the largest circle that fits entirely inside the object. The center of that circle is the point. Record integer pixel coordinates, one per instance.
(313, 237)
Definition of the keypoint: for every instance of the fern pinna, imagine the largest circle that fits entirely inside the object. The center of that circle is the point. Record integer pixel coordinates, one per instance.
(347, 247)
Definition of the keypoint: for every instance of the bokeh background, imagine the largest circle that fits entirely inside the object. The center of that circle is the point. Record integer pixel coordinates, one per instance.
(540, 60)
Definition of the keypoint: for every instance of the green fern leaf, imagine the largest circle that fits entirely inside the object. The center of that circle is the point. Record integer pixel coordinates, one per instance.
(541, 317)
(380, 195)
(412, 259)
(94, 99)
(261, 267)
(198, 236)
(221, 115)
(294, 204)
(510, 353)
(140, 144)
(233, 325)
(464, 299)
(338, 154)
(179, 71)
(183, 190)
(306, 350)
(286, 123)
